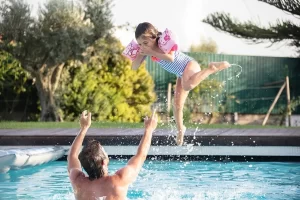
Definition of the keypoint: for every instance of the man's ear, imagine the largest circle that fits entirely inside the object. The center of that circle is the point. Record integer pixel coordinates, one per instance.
(104, 162)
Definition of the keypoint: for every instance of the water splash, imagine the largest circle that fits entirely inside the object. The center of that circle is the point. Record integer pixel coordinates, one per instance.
(194, 134)
(237, 75)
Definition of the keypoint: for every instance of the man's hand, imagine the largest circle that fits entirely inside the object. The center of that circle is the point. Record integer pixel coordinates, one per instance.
(151, 123)
(74, 166)
(85, 120)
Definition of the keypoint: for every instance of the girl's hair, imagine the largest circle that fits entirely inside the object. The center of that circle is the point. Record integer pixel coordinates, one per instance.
(147, 30)
(91, 158)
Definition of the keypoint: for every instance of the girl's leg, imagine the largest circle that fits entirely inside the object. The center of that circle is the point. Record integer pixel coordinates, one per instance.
(193, 75)
(180, 96)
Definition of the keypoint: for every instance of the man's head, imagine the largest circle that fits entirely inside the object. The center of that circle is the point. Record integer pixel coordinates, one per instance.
(94, 159)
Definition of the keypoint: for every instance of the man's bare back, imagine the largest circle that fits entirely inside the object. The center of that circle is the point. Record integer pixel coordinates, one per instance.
(99, 185)
(105, 188)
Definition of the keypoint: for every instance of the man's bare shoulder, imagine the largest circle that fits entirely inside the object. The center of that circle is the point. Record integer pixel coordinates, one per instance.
(81, 178)
(76, 175)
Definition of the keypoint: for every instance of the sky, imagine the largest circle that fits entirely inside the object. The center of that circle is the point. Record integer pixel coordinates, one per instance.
(184, 17)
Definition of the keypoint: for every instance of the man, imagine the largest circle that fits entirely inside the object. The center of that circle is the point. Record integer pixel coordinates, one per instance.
(99, 185)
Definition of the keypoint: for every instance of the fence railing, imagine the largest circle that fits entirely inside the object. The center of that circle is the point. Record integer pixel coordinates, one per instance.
(252, 92)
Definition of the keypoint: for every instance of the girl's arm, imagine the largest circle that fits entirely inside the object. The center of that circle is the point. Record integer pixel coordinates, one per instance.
(163, 56)
(137, 62)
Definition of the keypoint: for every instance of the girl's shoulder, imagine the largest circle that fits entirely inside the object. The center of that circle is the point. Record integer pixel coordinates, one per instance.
(168, 41)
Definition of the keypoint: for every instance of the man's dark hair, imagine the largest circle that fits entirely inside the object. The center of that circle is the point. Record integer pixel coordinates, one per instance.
(91, 158)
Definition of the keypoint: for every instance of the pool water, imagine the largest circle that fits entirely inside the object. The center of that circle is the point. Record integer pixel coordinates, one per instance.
(167, 180)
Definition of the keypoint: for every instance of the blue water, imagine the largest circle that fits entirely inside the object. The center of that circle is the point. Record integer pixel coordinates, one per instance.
(167, 181)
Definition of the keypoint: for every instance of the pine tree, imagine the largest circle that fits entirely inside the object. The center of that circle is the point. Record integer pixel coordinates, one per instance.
(282, 30)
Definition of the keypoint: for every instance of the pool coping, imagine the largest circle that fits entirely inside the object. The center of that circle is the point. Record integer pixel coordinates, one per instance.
(200, 144)
(161, 137)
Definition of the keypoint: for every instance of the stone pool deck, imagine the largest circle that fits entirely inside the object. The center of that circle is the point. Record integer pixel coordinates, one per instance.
(132, 136)
(282, 142)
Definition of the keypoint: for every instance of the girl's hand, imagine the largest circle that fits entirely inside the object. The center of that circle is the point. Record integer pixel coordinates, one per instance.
(146, 51)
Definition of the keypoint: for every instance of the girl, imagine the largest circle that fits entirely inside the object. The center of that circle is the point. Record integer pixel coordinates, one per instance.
(187, 70)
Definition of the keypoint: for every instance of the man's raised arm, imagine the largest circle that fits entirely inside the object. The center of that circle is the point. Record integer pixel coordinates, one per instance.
(85, 123)
(130, 172)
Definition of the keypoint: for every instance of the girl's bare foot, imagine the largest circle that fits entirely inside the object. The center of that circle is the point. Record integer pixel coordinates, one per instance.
(218, 66)
(180, 135)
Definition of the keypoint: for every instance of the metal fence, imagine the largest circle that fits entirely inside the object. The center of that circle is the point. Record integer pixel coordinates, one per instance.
(252, 92)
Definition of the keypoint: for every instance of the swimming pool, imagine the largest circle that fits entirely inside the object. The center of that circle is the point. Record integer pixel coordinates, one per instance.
(167, 180)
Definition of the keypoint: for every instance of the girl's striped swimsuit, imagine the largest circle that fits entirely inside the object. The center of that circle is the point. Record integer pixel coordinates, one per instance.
(178, 65)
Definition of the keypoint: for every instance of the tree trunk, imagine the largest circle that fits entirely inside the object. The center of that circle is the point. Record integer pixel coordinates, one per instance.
(46, 82)
(49, 110)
